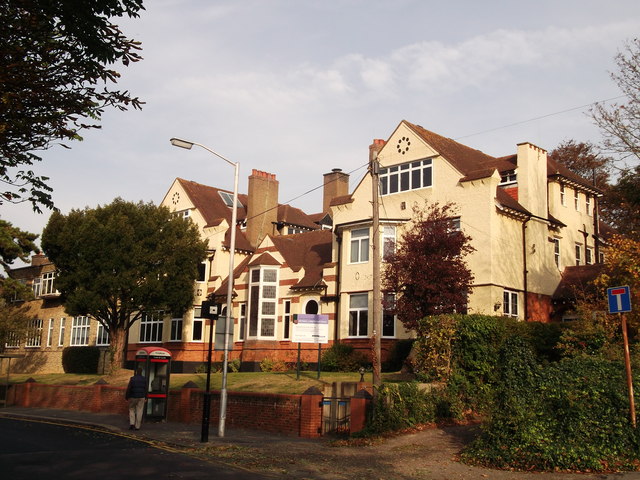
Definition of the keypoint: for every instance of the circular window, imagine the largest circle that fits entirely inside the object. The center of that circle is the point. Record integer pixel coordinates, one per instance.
(403, 145)
(311, 307)
(175, 198)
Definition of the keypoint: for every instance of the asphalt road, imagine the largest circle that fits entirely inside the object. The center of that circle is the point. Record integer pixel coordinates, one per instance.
(31, 450)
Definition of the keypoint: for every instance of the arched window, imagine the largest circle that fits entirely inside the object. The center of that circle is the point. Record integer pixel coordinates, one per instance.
(311, 307)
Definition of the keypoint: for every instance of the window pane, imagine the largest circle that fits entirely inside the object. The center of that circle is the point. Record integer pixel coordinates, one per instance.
(267, 327)
(269, 291)
(426, 177)
(364, 322)
(364, 250)
(358, 301)
(404, 181)
(270, 275)
(268, 308)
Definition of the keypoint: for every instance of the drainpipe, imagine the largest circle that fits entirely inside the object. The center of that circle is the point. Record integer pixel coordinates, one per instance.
(524, 268)
(336, 323)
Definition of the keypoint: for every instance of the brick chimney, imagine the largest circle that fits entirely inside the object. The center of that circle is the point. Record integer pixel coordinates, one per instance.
(375, 148)
(39, 259)
(336, 184)
(262, 206)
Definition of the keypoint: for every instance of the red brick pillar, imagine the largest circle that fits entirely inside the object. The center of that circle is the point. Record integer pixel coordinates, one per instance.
(360, 404)
(186, 406)
(96, 401)
(26, 392)
(311, 413)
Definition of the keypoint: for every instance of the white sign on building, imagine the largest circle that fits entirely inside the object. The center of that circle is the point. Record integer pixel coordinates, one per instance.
(310, 328)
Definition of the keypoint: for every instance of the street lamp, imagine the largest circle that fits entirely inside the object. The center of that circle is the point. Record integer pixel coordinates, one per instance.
(177, 142)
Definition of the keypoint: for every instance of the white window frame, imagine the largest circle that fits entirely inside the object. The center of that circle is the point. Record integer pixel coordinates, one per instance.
(102, 336)
(359, 245)
(588, 255)
(175, 334)
(388, 300)
(263, 302)
(587, 205)
(80, 331)
(578, 250)
(34, 334)
(308, 306)
(406, 177)
(50, 332)
(202, 272)
(61, 333)
(287, 316)
(556, 253)
(509, 177)
(151, 327)
(510, 304)
(576, 199)
(563, 196)
(242, 333)
(358, 315)
(48, 280)
(388, 241)
(36, 286)
(13, 340)
(198, 321)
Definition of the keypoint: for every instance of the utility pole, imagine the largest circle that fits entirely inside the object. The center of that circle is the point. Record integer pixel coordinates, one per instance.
(374, 169)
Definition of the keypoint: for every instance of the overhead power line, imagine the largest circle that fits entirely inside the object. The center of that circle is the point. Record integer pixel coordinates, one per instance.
(540, 117)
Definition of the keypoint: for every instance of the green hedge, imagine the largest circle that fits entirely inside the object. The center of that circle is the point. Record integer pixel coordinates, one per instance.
(568, 415)
(80, 359)
(342, 357)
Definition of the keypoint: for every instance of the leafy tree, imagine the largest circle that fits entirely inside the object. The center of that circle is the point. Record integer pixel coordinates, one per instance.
(428, 270)
(583, 159)
(56, 62)
(620, 123)
(15, 244)
(622, 205)
(118, 261)
(620, 126)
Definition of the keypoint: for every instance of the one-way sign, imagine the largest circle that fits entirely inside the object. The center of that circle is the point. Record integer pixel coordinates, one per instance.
(619, 299)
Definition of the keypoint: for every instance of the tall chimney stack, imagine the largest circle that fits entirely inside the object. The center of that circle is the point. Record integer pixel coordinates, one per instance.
(262, 206)
(375, 148)
(336, 184)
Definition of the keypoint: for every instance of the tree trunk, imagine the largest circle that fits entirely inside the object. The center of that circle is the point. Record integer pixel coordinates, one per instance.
(117, 339)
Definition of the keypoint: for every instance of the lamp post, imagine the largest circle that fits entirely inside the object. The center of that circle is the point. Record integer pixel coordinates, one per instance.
(176, 142)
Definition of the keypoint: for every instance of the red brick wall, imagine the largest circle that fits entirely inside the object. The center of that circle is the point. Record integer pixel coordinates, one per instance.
(296, 415)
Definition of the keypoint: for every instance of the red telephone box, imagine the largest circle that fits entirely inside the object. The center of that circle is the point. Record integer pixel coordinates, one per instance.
(156, 366)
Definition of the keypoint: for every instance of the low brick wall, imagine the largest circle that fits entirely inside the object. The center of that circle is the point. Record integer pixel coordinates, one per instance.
(295, 415)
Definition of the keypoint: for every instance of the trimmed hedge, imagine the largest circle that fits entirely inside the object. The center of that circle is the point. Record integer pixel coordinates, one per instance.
(80, 359)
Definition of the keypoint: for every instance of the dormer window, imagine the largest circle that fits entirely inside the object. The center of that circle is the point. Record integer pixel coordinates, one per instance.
(508, 178)
(227, 198)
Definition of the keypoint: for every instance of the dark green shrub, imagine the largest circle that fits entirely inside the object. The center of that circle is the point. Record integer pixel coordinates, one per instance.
(401, 405)
(80, 359)
(342, 357)
(571, 415)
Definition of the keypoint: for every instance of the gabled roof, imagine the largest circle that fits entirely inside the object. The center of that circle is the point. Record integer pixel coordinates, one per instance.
(309, 251)
(464, 159)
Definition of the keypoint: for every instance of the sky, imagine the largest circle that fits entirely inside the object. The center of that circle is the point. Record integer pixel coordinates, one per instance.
(299, 87)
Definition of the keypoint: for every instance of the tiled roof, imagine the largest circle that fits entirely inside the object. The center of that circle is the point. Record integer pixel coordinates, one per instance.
(310, 251)
(464, 159)
(555, 169)
(214, 210)
(294, 216)
(506, 200)
(577, 280)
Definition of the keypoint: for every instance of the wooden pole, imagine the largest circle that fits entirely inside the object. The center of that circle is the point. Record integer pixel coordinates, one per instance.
(375, 252)
(627, 363)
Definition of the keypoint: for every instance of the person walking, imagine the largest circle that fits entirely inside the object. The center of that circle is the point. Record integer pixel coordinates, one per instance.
(136, 395)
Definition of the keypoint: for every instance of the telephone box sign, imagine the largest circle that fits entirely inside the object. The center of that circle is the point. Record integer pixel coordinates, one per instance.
(619, 299)
(310, 328)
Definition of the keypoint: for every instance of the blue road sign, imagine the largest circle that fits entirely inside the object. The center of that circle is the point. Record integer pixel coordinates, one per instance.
(619, 299)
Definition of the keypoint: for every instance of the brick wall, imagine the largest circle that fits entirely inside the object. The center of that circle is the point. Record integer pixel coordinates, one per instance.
(295, 415)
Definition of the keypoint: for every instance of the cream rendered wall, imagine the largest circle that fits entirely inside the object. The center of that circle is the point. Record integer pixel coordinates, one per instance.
(475, 203)
(577, 221)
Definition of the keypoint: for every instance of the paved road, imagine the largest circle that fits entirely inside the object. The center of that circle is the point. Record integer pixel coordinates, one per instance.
(30, 450)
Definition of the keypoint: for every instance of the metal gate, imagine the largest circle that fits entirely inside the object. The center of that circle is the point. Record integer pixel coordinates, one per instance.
(336, 415)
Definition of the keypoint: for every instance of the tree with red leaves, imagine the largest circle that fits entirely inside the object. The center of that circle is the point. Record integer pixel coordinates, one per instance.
(428, 270)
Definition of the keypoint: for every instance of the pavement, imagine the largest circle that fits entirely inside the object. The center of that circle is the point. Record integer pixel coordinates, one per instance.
(187, 435)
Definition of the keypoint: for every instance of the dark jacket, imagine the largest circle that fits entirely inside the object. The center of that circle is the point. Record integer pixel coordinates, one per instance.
(137, 387)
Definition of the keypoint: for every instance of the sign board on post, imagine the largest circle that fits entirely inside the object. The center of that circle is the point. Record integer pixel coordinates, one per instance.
(619, 299)
(310, 328)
